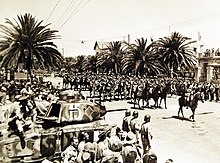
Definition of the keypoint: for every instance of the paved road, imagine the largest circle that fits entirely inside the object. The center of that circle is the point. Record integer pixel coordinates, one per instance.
(182, 140)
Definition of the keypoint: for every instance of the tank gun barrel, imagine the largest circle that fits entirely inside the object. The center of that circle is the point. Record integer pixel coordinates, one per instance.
(114, 110)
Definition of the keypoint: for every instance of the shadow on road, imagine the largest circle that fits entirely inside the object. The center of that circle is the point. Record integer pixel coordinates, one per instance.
(179, 118)
(205, 113)
(144, 107)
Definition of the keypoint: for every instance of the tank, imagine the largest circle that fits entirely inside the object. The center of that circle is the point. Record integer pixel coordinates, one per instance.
(51, 133)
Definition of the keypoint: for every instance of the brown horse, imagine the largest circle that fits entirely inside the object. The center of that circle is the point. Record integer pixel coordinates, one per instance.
(148, 92)
(163, 95)
(192, 103)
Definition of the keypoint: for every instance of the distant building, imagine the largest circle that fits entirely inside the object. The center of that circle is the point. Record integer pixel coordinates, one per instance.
(101, 47)
(208, 68)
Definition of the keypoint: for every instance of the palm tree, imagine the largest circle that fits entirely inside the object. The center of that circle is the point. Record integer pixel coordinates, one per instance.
(29, 42)
(80, 63)
(142, 59)
(91, 63)
(111, 58)
(176, 52)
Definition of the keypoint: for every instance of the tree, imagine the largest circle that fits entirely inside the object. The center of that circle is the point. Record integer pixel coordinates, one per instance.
(142, 59)
(111, 58)
(91, 63)
(176, 52)
(29, 42)
(80, 63)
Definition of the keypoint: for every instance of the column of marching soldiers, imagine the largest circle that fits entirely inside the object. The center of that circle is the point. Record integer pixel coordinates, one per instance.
(122, 87)
(108, 87)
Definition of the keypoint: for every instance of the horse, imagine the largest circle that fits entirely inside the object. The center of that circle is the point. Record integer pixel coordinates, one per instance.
(154, 94)
(163, 95)
(147, 93)
(138, 93)
(192, 103)
(117, 90)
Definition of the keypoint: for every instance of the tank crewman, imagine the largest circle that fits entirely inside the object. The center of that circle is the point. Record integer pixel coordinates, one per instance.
(20, 119)
(126, 121)
(146, 135)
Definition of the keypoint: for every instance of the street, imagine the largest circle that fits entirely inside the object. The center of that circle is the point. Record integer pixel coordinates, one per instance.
(183, 141)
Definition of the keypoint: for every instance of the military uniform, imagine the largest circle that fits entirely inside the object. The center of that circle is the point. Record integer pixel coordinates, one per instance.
(126, 123)
(134, 125)
(146, 136)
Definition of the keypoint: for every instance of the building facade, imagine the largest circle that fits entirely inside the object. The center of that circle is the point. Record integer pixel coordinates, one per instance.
(208, 68)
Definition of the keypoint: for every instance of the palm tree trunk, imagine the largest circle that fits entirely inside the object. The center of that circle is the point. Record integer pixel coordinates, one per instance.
(171, 71)
(30, 74)
(116, 69)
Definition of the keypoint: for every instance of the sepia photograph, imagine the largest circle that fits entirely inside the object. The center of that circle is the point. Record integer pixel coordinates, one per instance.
(109, 81)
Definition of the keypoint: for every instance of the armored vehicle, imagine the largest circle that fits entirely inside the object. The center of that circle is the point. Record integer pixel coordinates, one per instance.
(52, 133)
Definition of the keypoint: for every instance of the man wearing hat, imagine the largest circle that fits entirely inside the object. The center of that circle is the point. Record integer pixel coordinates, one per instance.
(129, 150)
(20, 119)
(88, 154)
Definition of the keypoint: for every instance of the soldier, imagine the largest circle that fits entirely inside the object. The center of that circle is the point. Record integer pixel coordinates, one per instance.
(135, 128)
(212, 91)
(217, 92)
(20, 119)
(12, 91)
(134, 124)
(126, 121)
(146, 134)
(3, 94)
(69, 155)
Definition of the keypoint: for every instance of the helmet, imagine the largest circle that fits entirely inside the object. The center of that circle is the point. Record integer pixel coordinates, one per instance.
(147, 118)
(128, 113)
(135, 114)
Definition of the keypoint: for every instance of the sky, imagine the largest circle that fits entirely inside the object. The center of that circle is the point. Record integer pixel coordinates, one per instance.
(80, 23)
